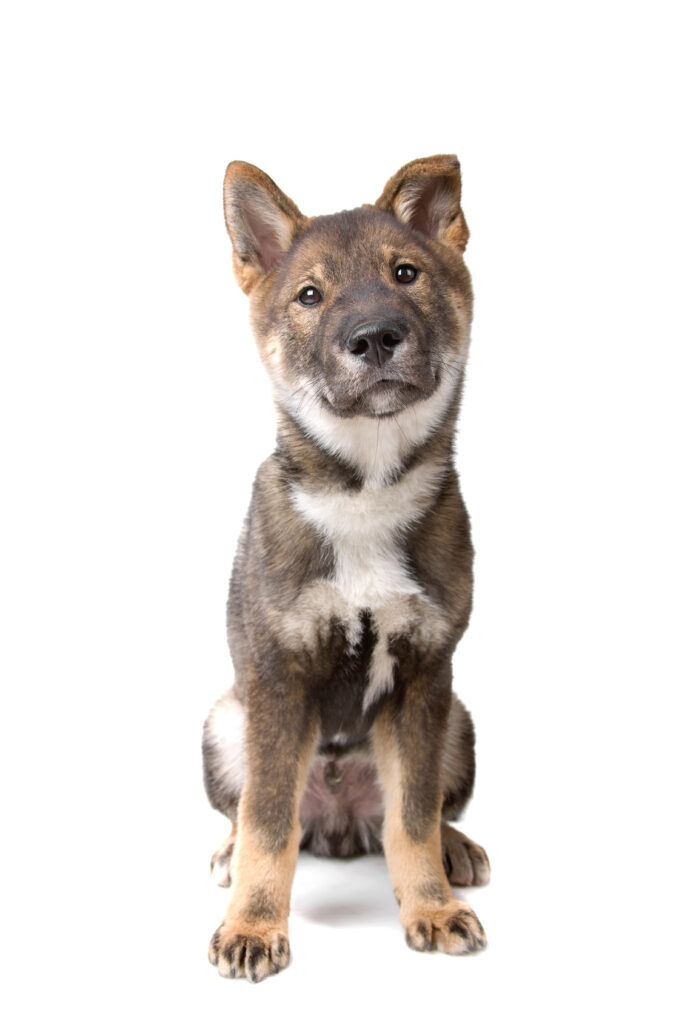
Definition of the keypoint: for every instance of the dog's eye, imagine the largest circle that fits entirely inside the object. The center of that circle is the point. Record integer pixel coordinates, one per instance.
(405, 273)
(309, 296)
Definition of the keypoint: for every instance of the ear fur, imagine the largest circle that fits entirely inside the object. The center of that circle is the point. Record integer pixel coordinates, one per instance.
(261, 221)
(425, 194)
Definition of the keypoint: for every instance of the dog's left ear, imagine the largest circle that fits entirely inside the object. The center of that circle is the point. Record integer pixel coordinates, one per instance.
(425, 194)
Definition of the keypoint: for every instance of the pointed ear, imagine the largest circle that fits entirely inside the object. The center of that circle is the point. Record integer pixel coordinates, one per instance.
(261, 221)
(425, 195)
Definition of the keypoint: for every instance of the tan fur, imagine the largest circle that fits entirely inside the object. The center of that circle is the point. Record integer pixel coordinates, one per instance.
(257, 914)
(429, 913)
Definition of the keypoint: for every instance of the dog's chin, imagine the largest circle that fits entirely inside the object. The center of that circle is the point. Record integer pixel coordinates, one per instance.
(383, 398)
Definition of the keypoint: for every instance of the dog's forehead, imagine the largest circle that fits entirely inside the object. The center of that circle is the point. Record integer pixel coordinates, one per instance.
(364, 235)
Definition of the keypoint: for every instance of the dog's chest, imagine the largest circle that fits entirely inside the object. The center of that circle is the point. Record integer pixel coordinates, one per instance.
(367, 530)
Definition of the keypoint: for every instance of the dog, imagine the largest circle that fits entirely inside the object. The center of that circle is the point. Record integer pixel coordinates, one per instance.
(352, 582)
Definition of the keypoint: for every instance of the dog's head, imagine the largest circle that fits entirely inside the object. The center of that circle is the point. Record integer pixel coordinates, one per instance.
(362, 313)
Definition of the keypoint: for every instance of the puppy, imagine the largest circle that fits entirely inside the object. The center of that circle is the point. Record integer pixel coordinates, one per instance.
(352, 583)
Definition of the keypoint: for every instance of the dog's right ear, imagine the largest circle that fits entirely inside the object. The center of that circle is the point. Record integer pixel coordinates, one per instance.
(261, 221)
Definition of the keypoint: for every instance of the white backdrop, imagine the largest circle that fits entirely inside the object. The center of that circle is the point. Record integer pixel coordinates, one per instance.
(134, 414)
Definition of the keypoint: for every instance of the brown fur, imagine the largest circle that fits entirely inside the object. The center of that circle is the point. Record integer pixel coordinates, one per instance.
(352, 583)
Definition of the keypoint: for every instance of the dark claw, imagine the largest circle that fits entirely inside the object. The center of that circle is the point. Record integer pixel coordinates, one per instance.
(459, 929)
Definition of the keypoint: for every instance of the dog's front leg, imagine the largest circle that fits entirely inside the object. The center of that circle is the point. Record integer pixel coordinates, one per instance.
(252, 940)
(408, 740)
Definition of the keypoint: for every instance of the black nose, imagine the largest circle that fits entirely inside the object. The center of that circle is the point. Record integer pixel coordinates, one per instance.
(375, 342)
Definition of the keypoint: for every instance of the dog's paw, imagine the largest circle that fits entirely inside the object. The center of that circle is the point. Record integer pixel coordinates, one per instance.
(465, 862)
(222, 860)
(248, 952)
(453, 928)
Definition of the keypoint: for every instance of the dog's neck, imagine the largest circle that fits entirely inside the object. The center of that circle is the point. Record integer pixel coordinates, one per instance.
(319, 450)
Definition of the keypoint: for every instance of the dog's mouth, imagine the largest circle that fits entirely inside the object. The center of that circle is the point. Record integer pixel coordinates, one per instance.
(386, 385)
(383, 397)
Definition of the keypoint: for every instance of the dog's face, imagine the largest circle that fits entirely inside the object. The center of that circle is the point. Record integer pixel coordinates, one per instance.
(362, 313)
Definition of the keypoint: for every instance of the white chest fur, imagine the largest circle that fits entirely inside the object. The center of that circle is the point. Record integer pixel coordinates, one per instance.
(374, 446)
(365, 529)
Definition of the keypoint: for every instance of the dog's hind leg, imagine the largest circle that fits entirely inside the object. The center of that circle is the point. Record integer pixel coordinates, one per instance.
(221, 861)
(223, 754)
(465, 862)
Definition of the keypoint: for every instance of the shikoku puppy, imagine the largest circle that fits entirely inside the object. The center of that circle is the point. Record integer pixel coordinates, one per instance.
(353, 579)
